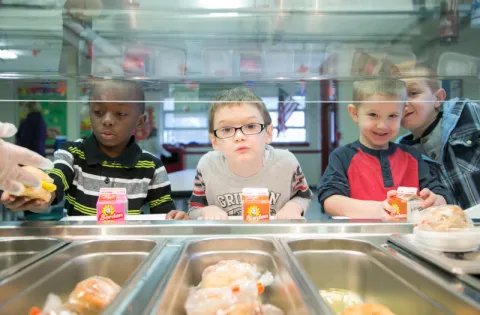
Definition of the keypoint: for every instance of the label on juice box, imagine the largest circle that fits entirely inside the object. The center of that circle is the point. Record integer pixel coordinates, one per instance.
(112, 204)
(405, 202)
(256, 204)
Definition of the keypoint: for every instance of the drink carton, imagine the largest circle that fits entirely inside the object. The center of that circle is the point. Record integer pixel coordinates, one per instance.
(406, 203)
(256, 204)
(112, 205)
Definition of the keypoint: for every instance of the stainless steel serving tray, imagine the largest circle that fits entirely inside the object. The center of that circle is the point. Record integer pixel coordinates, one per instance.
(59, 273)
(199, 254)
(16, 254)
(375, 275)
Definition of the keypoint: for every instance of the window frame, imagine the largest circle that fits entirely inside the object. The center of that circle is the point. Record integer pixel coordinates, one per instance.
(306, 142)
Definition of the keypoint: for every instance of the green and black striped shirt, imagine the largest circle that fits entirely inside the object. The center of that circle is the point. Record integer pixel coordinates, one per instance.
(81, 169)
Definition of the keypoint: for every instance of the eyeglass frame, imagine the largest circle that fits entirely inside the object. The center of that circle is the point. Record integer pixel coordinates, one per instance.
(263, 127)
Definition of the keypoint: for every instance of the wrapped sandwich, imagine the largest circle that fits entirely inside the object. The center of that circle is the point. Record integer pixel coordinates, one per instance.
(445, 218)
(90, 296)
(44, 191)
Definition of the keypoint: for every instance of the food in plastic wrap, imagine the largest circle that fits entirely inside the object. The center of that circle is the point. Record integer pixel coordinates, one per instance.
(93, 295)
(447, 229)
(231, 287)
(44, 191)
(235, 274)
(222, 301)
(447, 218)
(368, 309)
(213, 301)
(90, 296)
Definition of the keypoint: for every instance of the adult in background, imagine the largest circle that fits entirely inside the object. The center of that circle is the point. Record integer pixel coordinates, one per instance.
(32, 132)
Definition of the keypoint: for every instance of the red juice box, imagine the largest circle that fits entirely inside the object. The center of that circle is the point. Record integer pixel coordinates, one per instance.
(112, 205)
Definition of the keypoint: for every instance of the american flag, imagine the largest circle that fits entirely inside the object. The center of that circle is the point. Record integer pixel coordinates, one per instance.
(286, 107)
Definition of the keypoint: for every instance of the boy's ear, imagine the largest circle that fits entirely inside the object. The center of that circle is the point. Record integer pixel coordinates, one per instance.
(213, 140)
(440, 96)
(352, 109)
(141, 120)
(269, 134)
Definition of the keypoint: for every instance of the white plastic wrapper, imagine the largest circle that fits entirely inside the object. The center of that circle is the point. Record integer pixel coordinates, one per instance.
(231, 287)
(90, 296)
(222, 301)
(235, 274)
(447, 218)
(219, 301)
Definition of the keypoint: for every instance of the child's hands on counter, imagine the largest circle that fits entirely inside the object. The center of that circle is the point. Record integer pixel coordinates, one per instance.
(15, 203)
(385, 210)
(177, 215)
(290, 211)
(213, 213)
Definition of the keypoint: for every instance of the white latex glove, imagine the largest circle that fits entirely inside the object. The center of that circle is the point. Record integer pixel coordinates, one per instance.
(13, 176)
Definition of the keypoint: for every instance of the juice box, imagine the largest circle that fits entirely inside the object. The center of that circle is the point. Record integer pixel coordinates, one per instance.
(406, 203)
(112, 205)
(256, 204)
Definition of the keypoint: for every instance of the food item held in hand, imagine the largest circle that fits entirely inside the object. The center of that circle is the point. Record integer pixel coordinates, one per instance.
(444, 219)
(44, 192)
(368, 309)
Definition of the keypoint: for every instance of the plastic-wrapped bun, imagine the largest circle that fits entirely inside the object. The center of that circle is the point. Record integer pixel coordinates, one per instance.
(92, 295)
(215, 301)
(447, 218)
(228, 273)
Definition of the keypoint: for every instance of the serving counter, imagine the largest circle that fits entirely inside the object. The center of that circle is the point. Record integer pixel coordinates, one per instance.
(156, 262)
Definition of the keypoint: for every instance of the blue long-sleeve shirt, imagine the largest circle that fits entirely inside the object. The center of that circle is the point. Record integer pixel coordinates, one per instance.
(32, 133)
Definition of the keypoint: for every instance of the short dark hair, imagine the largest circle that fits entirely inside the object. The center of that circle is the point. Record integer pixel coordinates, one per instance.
(133, 90)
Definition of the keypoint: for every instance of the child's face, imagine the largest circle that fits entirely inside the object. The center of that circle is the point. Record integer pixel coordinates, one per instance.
(241, 148)
(379, 121)
(422, 105)
(114, 122)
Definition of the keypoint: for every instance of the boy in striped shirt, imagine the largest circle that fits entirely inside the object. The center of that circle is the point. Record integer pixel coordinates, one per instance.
(108, 158)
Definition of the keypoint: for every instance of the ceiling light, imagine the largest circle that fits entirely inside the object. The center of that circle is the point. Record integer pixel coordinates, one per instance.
(7, 54)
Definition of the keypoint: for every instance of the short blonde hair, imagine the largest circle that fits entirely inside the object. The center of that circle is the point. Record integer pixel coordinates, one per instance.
(421, 70)
(386, 87)
(33, 107)
(237, 96)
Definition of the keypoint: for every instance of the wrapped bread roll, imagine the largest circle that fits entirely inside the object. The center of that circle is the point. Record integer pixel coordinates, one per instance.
(92, 295)
(43, 192)
(368, 309)
(445, 218)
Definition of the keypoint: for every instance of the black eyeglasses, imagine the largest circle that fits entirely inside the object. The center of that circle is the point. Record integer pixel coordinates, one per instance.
(248, 129)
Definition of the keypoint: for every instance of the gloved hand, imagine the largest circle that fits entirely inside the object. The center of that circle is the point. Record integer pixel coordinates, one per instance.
(13, 176)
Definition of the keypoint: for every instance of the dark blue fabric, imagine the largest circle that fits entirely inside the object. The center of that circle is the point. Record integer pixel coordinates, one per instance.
(32, 133)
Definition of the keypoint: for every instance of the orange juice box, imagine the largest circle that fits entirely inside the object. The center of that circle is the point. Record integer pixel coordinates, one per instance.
(112, 205)
(256, 204)
(406, 203)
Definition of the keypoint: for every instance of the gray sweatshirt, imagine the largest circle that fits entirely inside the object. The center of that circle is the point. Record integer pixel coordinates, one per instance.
(216, 185)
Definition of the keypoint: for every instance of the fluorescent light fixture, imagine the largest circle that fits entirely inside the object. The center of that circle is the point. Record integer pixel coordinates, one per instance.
(8, 54)
(225, 14)
(221, 4)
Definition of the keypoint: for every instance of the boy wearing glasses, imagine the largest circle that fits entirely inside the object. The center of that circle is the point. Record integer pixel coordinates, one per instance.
(240, 129)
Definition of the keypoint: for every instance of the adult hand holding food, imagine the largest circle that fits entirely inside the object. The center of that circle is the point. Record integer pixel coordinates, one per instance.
(14, 178)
